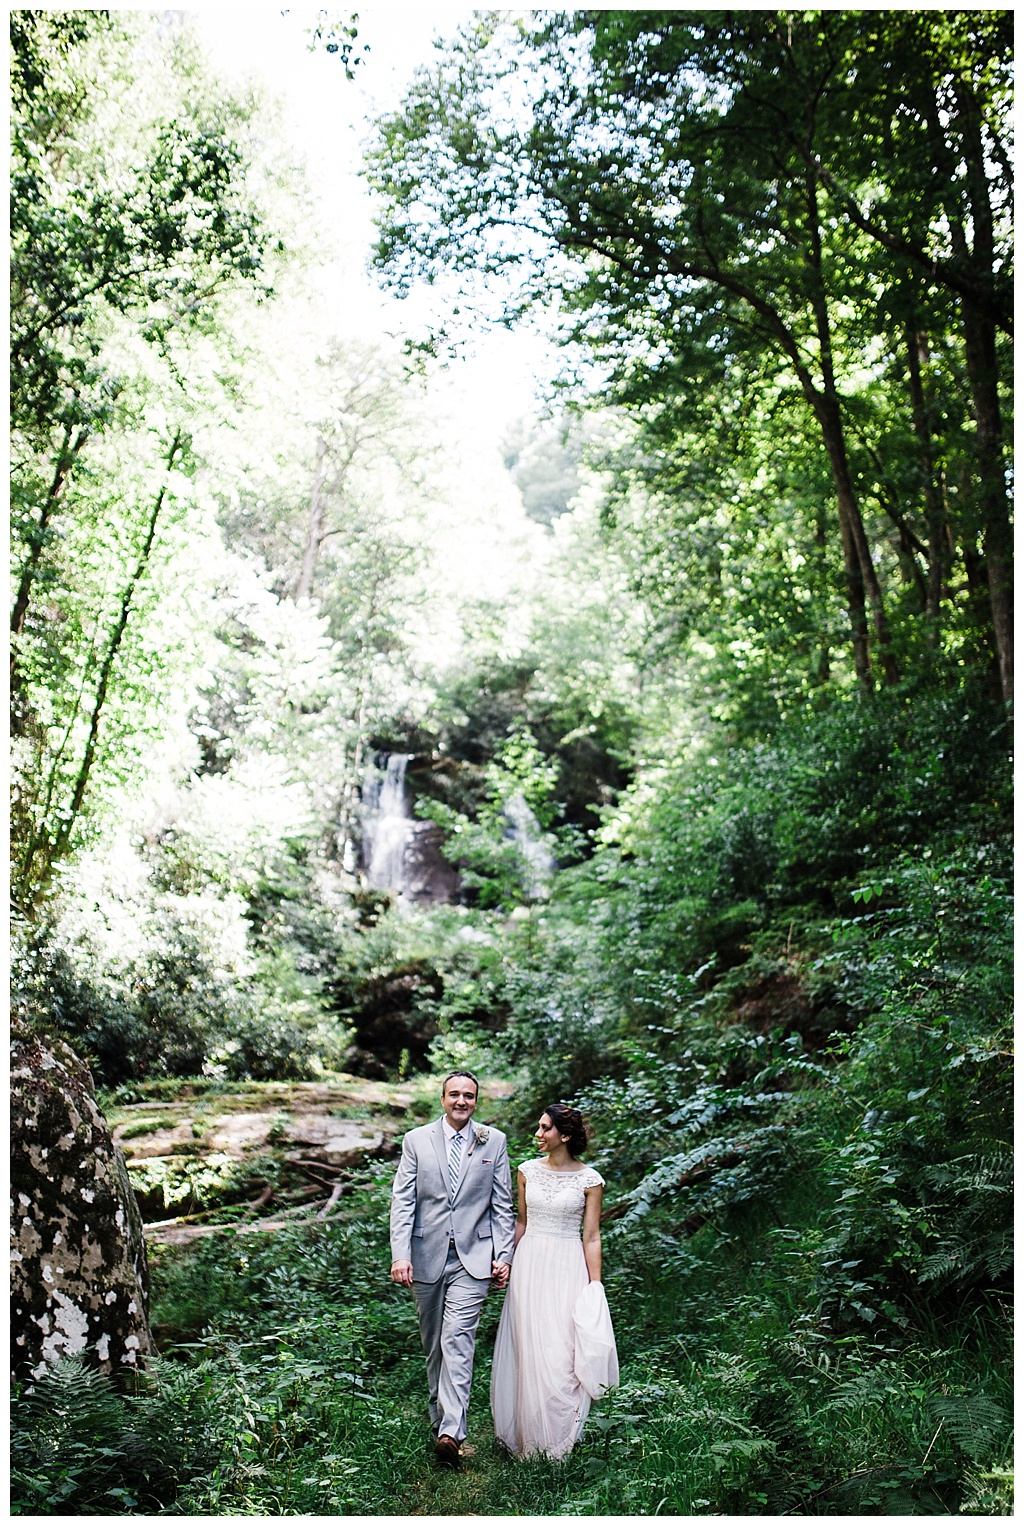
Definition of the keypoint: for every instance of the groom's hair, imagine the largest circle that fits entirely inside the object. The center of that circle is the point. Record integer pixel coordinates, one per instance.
(468, 1075)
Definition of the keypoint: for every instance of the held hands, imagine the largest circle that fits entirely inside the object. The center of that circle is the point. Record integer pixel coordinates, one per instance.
(401, 1273)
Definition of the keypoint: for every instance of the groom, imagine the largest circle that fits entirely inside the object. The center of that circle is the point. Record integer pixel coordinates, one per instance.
(452, 1232)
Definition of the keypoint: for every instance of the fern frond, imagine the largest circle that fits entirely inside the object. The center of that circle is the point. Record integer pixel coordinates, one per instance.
(974, 1421)
(71, 1396)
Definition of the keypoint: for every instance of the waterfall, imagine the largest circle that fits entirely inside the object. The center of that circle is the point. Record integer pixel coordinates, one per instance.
(403, 854)
(387, 825)
(524, 831)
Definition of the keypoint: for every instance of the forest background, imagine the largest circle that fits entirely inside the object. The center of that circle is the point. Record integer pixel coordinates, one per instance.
(729, 618)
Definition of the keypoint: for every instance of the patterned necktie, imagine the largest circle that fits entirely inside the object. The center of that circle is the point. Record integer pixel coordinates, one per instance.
(454, 1159)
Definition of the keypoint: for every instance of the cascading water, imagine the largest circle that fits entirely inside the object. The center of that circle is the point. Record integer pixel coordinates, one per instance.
(387, 825)
(524, 831)
(403, 854)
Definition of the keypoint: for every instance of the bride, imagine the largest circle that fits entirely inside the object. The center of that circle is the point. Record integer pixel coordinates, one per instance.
(555, 1350)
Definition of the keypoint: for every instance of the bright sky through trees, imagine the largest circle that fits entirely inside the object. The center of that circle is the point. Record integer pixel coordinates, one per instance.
(326, 117)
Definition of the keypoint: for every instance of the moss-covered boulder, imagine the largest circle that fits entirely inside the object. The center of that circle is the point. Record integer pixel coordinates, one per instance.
(79, 1281)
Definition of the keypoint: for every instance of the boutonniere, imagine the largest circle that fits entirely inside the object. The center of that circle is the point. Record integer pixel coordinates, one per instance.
(480, 1136)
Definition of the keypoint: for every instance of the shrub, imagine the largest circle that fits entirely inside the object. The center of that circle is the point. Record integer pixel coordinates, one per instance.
(264, 1046)
(168, 1011)
(81, 1447)
(155, 1020)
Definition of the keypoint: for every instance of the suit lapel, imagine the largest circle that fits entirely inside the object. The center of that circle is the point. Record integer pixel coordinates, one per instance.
(437, 1140)
(467, 1155)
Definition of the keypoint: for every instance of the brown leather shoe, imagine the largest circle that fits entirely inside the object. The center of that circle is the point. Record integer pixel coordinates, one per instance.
(446, 1450)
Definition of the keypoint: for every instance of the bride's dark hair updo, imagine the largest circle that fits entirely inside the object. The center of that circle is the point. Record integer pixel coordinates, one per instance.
(568, 1121)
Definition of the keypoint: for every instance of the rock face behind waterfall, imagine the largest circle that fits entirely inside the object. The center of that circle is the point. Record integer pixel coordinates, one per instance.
(79, 1281)
(401, 853)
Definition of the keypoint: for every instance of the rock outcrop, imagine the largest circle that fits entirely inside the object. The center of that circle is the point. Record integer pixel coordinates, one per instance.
(79, 1280)
(429, 878)
(388, 1020)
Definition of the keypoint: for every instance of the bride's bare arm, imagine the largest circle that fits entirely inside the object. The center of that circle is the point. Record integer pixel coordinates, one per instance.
(521, 1214)
(592, 1232)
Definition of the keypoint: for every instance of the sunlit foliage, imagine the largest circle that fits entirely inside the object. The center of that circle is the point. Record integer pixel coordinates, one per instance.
(704, 688)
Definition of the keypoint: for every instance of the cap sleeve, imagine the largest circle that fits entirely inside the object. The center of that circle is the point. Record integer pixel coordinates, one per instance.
(526, 1166)
(594, 1178)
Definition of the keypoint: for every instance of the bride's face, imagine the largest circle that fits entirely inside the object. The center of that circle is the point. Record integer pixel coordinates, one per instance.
(547, 1136)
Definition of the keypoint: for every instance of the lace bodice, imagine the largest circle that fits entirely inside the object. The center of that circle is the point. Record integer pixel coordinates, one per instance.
(555, 1199)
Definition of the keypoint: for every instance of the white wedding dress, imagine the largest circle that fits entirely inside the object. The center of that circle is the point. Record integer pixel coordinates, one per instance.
(555, 1349)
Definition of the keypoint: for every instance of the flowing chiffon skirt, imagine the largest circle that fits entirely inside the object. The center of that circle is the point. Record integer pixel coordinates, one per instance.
(539, 1404)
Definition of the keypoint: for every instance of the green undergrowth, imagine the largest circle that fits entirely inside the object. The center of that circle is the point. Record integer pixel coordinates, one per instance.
(783, 1001)
(292, 1383)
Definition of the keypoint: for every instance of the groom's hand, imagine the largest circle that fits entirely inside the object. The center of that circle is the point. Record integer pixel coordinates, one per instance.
(401, 1272)
(500, 1272)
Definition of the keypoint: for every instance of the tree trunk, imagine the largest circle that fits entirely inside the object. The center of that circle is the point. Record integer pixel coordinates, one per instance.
(980, 345)
(861, 577)
(315, 533)
(65, 461)
(824, 668)
(127, 599)
(56, 846)
(855, 601)
(979, 330)
(856, 550)
(935, 511)
(350, 851)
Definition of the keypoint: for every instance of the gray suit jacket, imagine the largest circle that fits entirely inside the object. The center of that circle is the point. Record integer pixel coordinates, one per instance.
(424, 1215)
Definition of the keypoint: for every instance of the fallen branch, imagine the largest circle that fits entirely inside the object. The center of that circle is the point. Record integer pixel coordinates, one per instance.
(335, 1195)
(317, 1165)
(186, 1218)
(934, 1439)
(313, 1176)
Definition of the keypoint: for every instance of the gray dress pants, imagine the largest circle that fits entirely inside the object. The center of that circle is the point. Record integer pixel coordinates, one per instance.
(449, 1312)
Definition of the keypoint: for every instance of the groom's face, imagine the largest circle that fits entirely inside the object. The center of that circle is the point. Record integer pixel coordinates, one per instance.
(458, 1100)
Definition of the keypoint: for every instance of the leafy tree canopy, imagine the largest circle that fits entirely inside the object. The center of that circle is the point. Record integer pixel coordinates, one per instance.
(683, 184)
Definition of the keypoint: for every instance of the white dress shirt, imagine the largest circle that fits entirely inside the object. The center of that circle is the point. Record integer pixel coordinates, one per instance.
(466, 1132)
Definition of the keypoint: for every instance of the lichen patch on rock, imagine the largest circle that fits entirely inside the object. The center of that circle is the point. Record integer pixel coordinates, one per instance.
(79, 1279)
